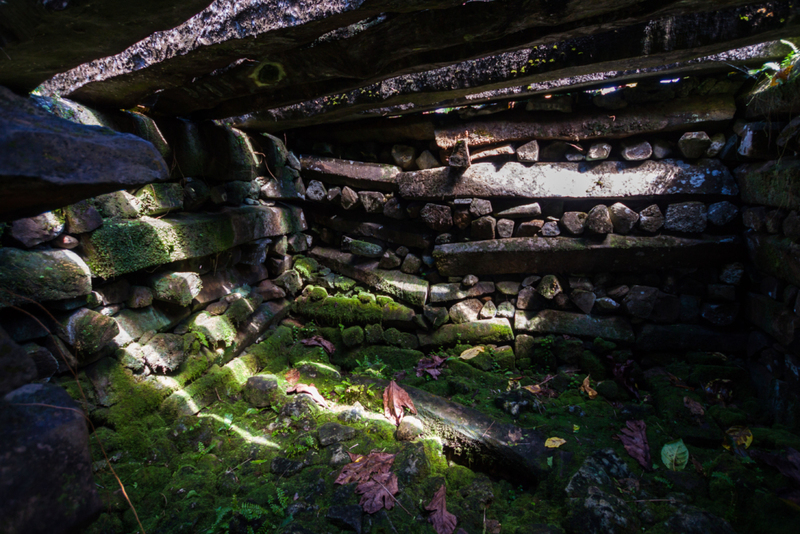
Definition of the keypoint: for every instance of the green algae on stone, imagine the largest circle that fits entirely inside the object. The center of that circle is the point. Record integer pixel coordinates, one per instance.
(41, 275)
(158, 199)
(350, 310)
(496, 330)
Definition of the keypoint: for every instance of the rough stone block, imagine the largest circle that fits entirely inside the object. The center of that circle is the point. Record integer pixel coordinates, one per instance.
(495, 330)
(351, 173)
(41, 276)
(574, 324)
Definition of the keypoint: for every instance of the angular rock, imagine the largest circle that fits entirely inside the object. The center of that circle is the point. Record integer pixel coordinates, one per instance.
(505, 228)
(483, 228)
(465, 311)
(158, 199)
(721, 213)
(335, 195)
(436, 316)
(66, 242)
(373, 201)
(694, 145)
(163, 353)
(530, 228)
(598, 152)
(404, 286)
(489, 311)
(521, 212)
(437, 217)
(450, 292)
(263, 391)
(47, 467)
(570, 254)
(41, 276)
(549, 287)
(176, 288)
(394, 209)
(635, 150)
(426, 160)
(574, 324)
(403, 156)
(755, 218)
(316, 191)
(686, 217)
(661, 149)
(583, 299)
(459, 157)
(411, 264)
(757, 139)
(640, 301)
(490, 152)
(550, 229)
(480, 207)
(33, 231)
(495, 330)
(623, 218)
(120, 247)
(607, 179)
(390, 260)
(598, 220)
(365, 249)
(357, 174)
(574, 222)
(720, 314)
(529, 152)
(87, 332)
(717, 144)
(51, 162)
(651, 219)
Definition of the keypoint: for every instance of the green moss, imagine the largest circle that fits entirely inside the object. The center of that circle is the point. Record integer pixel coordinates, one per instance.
(404, 340)
(272, 353)
(348, 310)
(305, 266)
(353, 336)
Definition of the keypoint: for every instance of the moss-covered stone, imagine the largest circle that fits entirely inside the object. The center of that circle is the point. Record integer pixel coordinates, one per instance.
(158, 199)
(41, 276)
(353, 336)
(404, 340)
(305, 266)
(373, 334)
(478, 332)
(351, 310)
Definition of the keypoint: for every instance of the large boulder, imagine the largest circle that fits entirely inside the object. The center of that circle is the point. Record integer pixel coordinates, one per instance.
(41, 275)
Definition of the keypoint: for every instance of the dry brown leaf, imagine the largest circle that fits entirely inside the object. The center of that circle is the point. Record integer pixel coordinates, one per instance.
(395, 399)
(471, 353)
(554, 442)
(378, 492)
(309, 390)
(443, 521)
(361, 468)
(694, 407)
(586, 388)
(376, 483)
(634, 439)
(515, 435)
(319, 341)
(292, 376)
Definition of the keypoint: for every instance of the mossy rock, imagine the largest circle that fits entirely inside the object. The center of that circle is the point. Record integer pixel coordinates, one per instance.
(316, 293)
(350, 310)
(353, 336)
(592, 365)
(272, 354)
(373, 334)
(404, 340)
(775, 438)
(395, 358)
(306, 267)
(568, 351)
(603, 347)
(504, 357)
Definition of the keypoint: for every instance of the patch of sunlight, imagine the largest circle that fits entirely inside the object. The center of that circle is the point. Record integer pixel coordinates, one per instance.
(244, 434)
(673, 80)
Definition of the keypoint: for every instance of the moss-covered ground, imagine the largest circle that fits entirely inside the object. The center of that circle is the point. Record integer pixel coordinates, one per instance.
(232, 466)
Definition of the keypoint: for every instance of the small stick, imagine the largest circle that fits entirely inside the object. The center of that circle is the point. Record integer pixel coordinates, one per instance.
(389, 493)
(490, 427)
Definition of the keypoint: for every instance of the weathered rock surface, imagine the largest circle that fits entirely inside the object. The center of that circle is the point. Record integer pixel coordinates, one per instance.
(607, 179)
(771, 183)
(351, 173)
(42, 275)
(391, 232)
(574, 324)
(495, 330)
(46, 465)
(562, 254)
(47, 162)
(448, 292)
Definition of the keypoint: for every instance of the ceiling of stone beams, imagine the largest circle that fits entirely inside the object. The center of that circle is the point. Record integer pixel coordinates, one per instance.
(39, 39)
(272, 65)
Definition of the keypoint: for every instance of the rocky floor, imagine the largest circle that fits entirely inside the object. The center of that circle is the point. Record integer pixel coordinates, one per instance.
(543, 449)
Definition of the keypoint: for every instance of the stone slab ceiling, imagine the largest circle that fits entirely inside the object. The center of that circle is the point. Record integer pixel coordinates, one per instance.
(267, 63)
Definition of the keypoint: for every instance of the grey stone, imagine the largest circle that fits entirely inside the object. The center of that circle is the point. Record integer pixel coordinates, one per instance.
(635, 150)
(366, 249)
(574, 222)
(583, 299)
(651, 219)
(426, 160)
(505, 228)
(508, 288)
(521, 212)
(88, 332)
(335, 195)
(65, 242)
(403, 156)
(456, 291)
(409, 429)
(436, 316)
(269, 291)
(640, 301)
(607, 304)
(465, 311)
(598, 151)
(291, 281)
(372, 201)
(574, 324)
(598, 220)
(721, 213)
(82, 217)
(623, 218)
(488, 311)
(497, 330)
(350, 174)
(33, 231)
(411, 264)
(159, 199)
(389, 260)
(437, 217)
(393, 208)
(470, 280)
(550, 229)
(530, 228)
(483, 228)
(316, 191)
(350, 198)
(506, 310)
(694, 145)
(176, 288)
(480, 207)
(717, 144)
(662, 149)
(686, 217)
(549, 287)
(163, 353)
(459, 157)
(529, 152)
(330, 433)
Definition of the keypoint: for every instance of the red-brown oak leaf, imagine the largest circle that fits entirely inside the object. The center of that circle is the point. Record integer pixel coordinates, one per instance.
(361, 468)
(443, 521)
(319, 341)
(431, 366)
(310, 390)
(376, 483)
(395, 399)
(292, 376)
(378, 492)
(634, 439)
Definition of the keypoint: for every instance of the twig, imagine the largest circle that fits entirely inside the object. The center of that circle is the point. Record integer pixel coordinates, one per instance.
(389, 493)
(485, 431)
(217, 392)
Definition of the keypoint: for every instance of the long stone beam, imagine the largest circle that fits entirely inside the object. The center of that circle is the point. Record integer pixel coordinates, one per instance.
(41, 39)
(634, 120)
(670, 46)
(577, 255)
(273, 67)
(574, 324)
(607, 179)
(372, 176)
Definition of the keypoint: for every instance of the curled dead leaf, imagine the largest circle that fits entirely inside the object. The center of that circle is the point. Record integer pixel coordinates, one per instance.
(443, 521)
(471, 353)
(634, 439)
(738, 437)
(554, 442)
(292, 376)
(694, 407)
(586, 388)
(309, 390)
(395, 399)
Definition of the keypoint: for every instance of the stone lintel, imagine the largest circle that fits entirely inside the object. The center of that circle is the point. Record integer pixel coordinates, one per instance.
(574, 324)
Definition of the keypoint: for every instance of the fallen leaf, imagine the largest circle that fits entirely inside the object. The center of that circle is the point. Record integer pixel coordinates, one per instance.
(575, 429)
(319, 341)
(623, 374)
(586, 388)
(378, 492)
(694, 407)
(536, 389)
(443, 521)
(634, 439)
(361, 468)
(431, 366)
(471, 353)
(789, 466)
(675, 455)
(292, 376)
(678, 383)
(698, 467)
(738, 437)
(515, 435)
(554, 443)
(395, 399)
(310, 390)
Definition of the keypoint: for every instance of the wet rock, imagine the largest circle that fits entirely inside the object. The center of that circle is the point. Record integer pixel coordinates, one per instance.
(598, 151)
(33, 231)
(635, 150)
(694, 145)
(316, 191)
(686, 217)
(47, 474)
(459, 158)
(163, 353)
(521, 212)
(372, 201)
(574, 222)
(529, 152)
(598, 221)
(466, 311)
(623, 218)
(721, 213)
(330, 433)
(483, 228)
(437, 217)
(505, 228)
(651, 219)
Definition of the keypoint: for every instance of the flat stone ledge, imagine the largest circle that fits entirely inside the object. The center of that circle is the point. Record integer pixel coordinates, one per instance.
(497, 330)
(40, 276)
(615, 253)
(606, 179)
(683, 337)
(373, 176)
(407, 287)
(574, 324)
